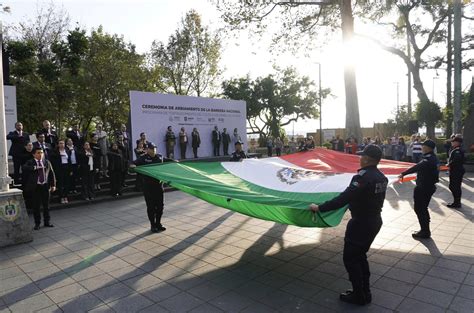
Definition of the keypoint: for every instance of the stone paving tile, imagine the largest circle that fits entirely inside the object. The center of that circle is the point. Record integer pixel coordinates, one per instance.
(32, 303)
(83, 303)
(231, 302)
(466, 292)
(182, 302)
(447, 274)
(437, 298)
(67, 292)
(131, 303)
(113, 292)
(18, 294)
(440, 284)
(462, 305)
(414, 306)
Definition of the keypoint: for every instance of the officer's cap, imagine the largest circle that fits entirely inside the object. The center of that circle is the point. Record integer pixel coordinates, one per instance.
(151, 145)
(458, 139)
(238, 142)
(429, 143)
(373, 152)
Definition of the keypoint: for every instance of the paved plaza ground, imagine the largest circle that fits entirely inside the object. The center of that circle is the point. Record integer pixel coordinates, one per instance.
(102, 258)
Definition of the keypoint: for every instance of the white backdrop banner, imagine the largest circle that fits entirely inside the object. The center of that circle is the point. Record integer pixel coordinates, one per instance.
(152, 113)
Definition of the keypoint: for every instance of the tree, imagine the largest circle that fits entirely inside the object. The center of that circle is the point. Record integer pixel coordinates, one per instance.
(299, 21)
(423, 40)
(190, 59)
(469, 121)
(275, 101)
(429, 114)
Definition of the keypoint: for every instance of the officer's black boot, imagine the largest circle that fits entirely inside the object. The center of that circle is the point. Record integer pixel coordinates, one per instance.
(367, 293)
(424, 233)
(354, 297)
(456, 204)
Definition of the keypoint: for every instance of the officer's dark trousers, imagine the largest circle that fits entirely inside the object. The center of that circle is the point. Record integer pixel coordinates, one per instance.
(183, 147)
(40, 197)
(16, 170)
(195, 152)
(360, 234)
(226, 148)
(455, 181)
(154, 204)
(422, 197)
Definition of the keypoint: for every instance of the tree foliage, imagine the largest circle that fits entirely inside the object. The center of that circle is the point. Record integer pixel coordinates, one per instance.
(189, 60)
(275, 100)
(429, 114)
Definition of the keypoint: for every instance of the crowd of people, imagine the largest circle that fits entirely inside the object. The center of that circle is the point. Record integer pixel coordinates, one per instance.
(393, 148)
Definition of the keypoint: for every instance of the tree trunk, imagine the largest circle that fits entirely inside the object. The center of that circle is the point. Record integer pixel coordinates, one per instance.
(418, 85)
(430, 131)
(449, 73)
(468, 134)
(352, 105)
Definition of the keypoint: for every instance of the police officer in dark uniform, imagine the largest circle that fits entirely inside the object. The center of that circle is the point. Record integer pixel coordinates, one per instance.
(365, 196)
(153, 188)
(426, 179)
(456, 171)
(238, 154)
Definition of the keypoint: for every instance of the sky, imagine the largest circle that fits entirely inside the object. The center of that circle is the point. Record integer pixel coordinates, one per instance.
(143, 21)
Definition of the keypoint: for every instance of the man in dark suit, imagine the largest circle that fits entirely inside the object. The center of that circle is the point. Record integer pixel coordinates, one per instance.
(216, 140)
(40, 182)
(41, 143)
(225, 141)
(76, 137)
(19, 139)
(50, 135)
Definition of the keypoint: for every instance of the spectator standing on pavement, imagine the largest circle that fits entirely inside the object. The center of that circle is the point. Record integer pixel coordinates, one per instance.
(270, 146)
(409, 157)
(88, 170)
(40, 182)
(387, 149)
(401, 150)
(116, 166)
(278, 146)
(50, 134)
(97, 151)
(19, 139)
(41, 143)
(103, 144)
(74, 163)
(417, 149)
(62, 164)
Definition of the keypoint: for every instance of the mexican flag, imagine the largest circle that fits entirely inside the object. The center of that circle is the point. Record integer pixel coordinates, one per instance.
(278, 189)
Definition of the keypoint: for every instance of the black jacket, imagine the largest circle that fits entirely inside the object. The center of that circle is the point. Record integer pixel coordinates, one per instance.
(456, 160)
(115, 161)
(365, 194)
(18, 143)
(216, 137)
(84, 161)
(46, 148)
(77, 140)
(195, 140)
(225, 138)
(237, 156)
(150, 182)
(427, 173)
(51, 138)
(31, 174)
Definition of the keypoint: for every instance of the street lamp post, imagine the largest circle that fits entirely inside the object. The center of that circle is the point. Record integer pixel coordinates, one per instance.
(320, 107)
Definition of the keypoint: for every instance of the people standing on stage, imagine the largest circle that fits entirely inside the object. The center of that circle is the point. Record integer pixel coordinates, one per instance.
(88, 169)
(170, 141)
(183, 142)
(235, 136)
(74, 164)
(97, 151)
(41, 143)
(62, 163)
(225, 141)
(126, 140)
(153, 189)
(40, 182)
(195, 141)
(76, 136)
(143, 139)
(19, 139)
(115, 163)
(238, 155)
(50, 134)
(104, 145)
(365, 196)
(456, 171)
(426, 179)
(278, 146)
(216, 141)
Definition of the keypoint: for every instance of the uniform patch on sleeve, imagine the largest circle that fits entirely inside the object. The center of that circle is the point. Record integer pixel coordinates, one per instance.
(356, 184)
(362, 172)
